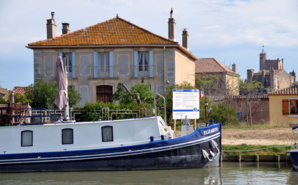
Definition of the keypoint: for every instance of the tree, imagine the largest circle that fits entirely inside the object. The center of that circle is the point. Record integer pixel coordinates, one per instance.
(73, 97)
(249, 89)
(43, 94)
(138, 94)
(2, 101)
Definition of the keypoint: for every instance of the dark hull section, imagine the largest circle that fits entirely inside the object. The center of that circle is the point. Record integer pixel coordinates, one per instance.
(294, 159)
(184, 157)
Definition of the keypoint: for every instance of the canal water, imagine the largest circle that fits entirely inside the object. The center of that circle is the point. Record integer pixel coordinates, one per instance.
(228, 173)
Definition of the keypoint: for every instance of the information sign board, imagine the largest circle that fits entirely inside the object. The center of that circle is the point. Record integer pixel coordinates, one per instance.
(186, 102)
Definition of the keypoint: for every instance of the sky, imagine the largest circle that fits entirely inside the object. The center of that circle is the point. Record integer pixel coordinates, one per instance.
(231, 31)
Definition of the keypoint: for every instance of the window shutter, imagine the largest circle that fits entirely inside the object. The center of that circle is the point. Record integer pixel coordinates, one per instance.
(135, 62)
(150, 63)
(111, 64)
(73, 57)
(95, 64)
(285, 107)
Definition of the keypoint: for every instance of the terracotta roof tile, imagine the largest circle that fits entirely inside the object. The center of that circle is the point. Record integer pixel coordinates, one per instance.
(19, 90)
(116, 31)
(208, 65)
(293, 90)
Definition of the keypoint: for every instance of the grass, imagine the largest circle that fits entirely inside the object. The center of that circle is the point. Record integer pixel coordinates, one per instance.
(256, 149)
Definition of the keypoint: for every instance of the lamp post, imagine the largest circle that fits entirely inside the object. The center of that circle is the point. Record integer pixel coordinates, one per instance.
(206, 114)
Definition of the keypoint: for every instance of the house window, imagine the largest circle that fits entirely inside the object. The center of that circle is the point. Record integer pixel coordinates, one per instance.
(67, 61)
(143, 61)
(107, 133)
(290, 107)
(104, 61)
(67, 136)
(27, 138)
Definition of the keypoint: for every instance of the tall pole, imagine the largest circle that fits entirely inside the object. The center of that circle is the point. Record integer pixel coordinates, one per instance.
(206, 114)
(66, 113)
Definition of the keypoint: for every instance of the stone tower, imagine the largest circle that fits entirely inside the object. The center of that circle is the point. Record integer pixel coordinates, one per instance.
(263, 58)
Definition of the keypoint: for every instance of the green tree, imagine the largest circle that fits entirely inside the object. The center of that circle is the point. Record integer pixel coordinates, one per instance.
(224, 114)
(73, 97)
(138, 94)
(2, 101)
(43, 94)
(249, 88)
(21, 98)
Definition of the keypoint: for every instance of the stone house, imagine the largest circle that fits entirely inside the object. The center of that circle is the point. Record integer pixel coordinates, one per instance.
(272, 74)
(283, 106)
(225, 80)
(98, 57)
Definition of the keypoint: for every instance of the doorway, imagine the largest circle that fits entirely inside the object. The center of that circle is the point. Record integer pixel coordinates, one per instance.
(104, 93)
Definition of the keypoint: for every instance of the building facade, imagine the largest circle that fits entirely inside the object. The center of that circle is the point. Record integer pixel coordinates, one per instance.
(100, 56)
(225, 81)
(272, 74)
(283, 106)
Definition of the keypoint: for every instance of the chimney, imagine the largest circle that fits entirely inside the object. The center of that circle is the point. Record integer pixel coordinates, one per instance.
(172, 27)
(51, 27)
(185, 38)
(65, 28)
(234, 67)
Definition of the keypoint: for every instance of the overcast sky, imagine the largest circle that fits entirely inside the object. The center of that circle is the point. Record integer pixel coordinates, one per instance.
(231, 31)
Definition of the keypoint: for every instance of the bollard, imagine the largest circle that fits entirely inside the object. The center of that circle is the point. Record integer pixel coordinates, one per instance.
(239, 158)
(278, 158)
(257, 158)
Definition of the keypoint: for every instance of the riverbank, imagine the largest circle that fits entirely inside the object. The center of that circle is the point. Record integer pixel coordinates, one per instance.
(269, 136)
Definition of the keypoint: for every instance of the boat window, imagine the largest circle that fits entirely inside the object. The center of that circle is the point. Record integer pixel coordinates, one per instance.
(67, 136)
(107, 133)
(27, 138)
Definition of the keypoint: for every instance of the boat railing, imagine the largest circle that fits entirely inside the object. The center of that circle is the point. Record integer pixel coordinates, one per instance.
(109, 114)
(28, 115)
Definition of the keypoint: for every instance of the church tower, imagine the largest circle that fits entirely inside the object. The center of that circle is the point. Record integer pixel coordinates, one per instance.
(263, 58)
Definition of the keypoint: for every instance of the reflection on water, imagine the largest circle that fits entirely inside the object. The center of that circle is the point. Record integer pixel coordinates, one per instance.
(229, 173)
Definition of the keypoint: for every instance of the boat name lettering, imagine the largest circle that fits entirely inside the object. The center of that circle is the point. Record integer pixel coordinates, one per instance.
(210, 131)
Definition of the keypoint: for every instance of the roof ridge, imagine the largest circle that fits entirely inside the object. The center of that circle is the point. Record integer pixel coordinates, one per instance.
(145, 30)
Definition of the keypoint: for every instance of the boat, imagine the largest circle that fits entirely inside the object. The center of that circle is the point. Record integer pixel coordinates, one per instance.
(126, 144)
(293, 153)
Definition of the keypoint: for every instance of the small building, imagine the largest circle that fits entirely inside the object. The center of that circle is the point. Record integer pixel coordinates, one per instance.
(283, 106)
(19, 90)
(4, 93)
(271, 75)
(225, 80)
(98, 57)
